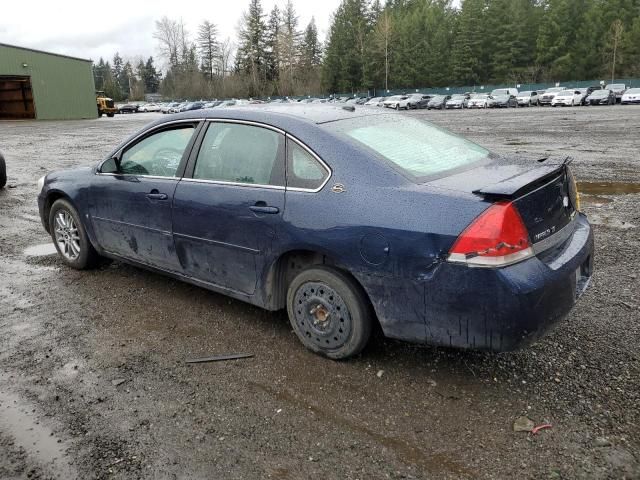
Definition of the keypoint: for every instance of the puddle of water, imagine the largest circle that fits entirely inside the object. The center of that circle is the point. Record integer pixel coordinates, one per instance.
(608, 188)
(610, 221)
(41, 250)
(37, 440)
(588, 198)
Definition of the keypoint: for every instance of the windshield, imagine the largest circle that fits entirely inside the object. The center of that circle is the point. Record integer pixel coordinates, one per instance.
(600, 93)
(616, 86)
(480, 96)
(438, 97)
(418, 148)
(500, 91)
(565, 94)
(633, 90)
(457, 97)
(525, 94)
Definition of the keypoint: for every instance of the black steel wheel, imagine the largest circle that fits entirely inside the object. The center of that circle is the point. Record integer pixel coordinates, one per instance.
(329, 312)
(70, 237)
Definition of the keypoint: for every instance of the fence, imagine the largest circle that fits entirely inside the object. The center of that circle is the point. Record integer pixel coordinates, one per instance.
(631, 82)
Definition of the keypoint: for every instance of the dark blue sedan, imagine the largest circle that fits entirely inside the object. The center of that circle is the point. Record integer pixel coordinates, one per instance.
(344, 216)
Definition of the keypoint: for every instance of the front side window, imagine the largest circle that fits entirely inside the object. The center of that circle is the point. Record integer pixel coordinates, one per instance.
(240, 153)
(418, 148)
(158, 154)
(303, 169)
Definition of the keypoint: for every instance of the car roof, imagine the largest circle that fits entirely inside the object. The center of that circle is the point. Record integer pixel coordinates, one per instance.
(283, 113)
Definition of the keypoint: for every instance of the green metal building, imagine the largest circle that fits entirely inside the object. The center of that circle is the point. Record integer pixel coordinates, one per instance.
(46, 86)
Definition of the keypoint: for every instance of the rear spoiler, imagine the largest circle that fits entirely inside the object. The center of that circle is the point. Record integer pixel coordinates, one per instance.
(518, 184)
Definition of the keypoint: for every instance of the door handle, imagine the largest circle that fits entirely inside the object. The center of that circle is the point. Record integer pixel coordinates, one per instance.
(262, 207)
(154, 195)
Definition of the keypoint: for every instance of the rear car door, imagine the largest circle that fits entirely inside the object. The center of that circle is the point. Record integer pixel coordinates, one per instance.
(227, 211)
(131, 196)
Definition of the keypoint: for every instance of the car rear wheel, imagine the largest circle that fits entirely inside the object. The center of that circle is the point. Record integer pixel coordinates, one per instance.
(70, 237)
(3, 172)
(329, 312)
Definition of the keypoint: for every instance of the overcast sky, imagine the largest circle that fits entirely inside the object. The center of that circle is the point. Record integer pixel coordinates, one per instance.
(89, 29)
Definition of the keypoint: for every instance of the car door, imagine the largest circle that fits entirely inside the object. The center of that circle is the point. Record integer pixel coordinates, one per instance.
(130, 198)
(227, 211)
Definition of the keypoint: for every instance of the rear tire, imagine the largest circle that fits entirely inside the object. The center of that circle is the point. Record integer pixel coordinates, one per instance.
(3, 172)
(329, 312)
(70, 237)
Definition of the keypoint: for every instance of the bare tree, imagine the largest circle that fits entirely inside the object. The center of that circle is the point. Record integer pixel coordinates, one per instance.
(170, 36)
(382, 34)
(615, 36)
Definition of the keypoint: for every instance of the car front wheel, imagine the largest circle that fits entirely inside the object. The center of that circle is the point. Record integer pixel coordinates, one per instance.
(329, 312)
(70, 237)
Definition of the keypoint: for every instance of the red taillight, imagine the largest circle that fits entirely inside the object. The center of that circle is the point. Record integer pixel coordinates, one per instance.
(496, 238)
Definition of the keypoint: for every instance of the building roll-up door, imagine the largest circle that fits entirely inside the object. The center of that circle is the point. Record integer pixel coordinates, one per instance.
(16, 98)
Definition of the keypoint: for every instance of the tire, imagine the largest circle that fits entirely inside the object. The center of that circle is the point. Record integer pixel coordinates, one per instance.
(573, 104)
(100, 113)
(397, 106)
(329, 312)
(70, 237)
(3, 172)
(110, 115)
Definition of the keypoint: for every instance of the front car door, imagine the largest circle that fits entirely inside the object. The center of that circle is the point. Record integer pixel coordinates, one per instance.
(228, 208)
(131, 196)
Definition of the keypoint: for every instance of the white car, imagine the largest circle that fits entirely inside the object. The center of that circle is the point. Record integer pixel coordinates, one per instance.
(375, 102)
(547, 96)
(478, 100)
(567, 98)
(631, 96)
(397, 101)
(149, 107)
(528, 98)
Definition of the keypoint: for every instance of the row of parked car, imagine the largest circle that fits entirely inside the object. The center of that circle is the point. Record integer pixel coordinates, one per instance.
(498, 98)
(511, 97)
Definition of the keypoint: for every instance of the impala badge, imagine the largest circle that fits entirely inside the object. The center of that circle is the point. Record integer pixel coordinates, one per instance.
(338, 188)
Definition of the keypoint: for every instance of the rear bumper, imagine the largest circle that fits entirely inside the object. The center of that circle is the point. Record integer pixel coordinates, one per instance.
(489, 309)
(511, 307)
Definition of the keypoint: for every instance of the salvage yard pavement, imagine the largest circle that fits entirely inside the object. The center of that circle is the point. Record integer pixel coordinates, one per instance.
(94, 382)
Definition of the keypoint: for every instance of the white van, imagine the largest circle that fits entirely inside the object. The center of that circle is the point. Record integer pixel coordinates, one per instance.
(505, 91)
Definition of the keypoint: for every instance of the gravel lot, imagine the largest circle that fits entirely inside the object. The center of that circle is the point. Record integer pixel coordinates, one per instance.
(93, 382)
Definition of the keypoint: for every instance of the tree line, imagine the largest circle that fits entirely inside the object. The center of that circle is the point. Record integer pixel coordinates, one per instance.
(429, 43)
(397, 44)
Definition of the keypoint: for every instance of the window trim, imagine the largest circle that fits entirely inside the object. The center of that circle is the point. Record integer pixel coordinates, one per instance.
(197, 123)
(193, 157)
(316, 157)
(190, 168)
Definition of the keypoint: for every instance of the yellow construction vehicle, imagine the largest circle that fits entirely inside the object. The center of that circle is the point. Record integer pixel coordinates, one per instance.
(105, 105)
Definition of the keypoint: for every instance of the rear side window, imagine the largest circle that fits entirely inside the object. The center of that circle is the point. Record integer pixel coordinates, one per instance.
(303, 169)
(237, 153)
(418, 148)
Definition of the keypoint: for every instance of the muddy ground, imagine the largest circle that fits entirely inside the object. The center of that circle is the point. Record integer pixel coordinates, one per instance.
(93, 380)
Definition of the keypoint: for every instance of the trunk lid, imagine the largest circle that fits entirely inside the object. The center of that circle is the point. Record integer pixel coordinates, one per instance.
(543, 193)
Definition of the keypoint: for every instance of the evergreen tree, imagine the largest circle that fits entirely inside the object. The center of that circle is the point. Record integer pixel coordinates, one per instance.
(272, 51)
(207, 43)
(469, 66)
(288, 49)
(250, 57)
(150, 77)
(311, 47)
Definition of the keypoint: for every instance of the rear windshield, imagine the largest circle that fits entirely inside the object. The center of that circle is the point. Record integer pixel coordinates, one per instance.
(417, 148)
